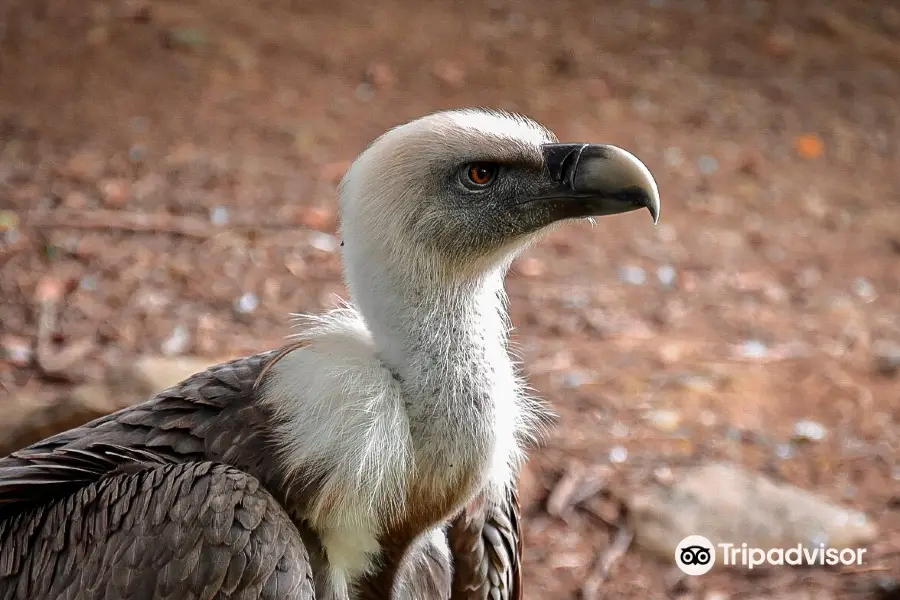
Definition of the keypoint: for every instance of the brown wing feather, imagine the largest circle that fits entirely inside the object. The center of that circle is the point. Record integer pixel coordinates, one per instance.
(486, 544)
(154, 530)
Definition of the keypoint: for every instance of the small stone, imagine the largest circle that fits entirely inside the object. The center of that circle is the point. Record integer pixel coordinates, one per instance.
(115, 192)
(863, 288)
(618, 455)
(666, 275)
(530, 266)
(575, 380)
(323, 242)
(137, 153)
(219, 216)
(809, 431)
(725, 502)
(16, 350)
(887, 357)
(809, 277)
(247, 303)
(318, 218)
(697, 383)
(707, 165)
(674, 157)
(708, 418)
(88, 283)
(633, 275)
(450, 73)
(365, 92)
(669, 353)
(619, 430)
(663, 475)
(177, 342)
(784, 451)
(664, 420)
(754, 349)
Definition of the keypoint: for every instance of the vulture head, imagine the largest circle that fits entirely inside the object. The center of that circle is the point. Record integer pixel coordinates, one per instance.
(458, 194)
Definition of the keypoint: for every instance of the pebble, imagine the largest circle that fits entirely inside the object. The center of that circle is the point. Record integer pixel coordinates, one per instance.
(663, 475)
(664, 419)
(115, 192)
(809, 277)
(365, 92)
(137, 153)
(666, 275)
(708, 418)
(247, 303)
(16, 350)
(863, 288)
(576, 379)
(530, 267)
(619, 430)
(887, 357)
(178, 341)
(618, 455)
(219, 216)
(673, 156)
(450, 73)
(809, 431)
(707, 164)
(88, 283)
(754, 349)
(633, 274)
(323, 241)
(784, 451)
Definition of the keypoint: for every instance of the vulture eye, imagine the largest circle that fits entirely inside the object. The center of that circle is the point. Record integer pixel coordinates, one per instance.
(477, 176)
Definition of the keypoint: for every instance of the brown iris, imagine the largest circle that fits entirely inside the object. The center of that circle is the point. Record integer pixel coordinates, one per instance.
(481, 174)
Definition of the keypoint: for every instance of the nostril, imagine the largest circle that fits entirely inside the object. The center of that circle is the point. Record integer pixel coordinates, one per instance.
(569, 166)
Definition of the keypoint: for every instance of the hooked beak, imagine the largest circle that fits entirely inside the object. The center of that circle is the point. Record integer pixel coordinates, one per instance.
(595, 180)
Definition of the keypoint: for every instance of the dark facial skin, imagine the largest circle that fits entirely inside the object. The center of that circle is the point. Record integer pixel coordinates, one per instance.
(477, 207)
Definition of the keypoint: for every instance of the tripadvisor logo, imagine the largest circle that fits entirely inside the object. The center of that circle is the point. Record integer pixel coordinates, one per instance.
(696, 555)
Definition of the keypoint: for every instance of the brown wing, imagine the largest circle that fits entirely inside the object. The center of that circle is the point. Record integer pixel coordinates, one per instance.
(148, 529)
(211, 416)
(486, 544)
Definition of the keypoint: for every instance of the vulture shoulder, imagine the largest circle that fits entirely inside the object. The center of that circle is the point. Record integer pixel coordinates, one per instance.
(137, 526)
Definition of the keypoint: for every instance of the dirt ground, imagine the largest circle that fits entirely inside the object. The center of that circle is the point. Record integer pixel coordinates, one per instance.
(768, 294)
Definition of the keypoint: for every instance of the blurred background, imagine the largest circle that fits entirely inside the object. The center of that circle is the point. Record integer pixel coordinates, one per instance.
(168, 173)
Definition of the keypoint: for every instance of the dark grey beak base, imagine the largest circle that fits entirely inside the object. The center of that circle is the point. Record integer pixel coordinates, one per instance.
(596, 180)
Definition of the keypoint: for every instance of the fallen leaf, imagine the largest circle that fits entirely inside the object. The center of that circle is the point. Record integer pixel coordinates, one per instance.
(809, 146)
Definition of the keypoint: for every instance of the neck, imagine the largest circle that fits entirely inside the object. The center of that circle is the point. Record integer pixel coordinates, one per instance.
(443, 340)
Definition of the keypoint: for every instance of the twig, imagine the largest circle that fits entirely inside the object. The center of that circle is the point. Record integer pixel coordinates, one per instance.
(51, 363)
(559, 500)
(123, 221)
(865, 39)
(604, 565)
(187, 226)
